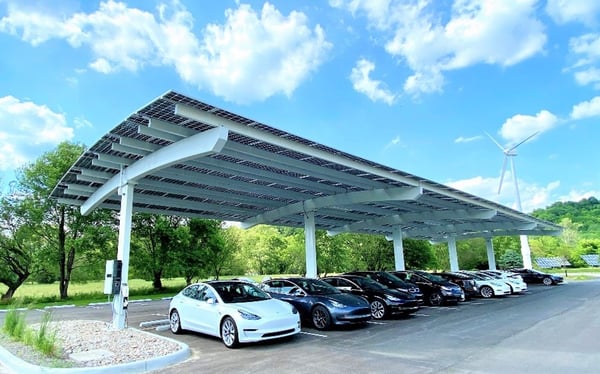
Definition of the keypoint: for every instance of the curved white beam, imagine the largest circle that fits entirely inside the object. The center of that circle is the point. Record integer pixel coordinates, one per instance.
(199, 145)
(407, 218)
(357, 197)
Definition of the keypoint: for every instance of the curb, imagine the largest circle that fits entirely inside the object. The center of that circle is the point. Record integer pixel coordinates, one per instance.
(17, 365)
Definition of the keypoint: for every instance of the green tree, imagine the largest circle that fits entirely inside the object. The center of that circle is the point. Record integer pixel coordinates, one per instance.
(370, 252)
(265, 249)
(331, 252)
(510, 259)
(60, 227)
(157, 245)
(472, 253)
(418, 254)
(208, 246)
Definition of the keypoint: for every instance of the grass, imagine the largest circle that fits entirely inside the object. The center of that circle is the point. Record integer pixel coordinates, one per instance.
(39, 295)
(36, 295)
(42, 339)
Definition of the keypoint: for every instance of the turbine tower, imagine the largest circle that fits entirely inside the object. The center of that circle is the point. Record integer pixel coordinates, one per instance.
(510, 153)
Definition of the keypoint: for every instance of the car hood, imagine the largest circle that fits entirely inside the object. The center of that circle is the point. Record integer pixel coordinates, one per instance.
(264, 308)
(398, 294)
(346, 299)
(447, 284)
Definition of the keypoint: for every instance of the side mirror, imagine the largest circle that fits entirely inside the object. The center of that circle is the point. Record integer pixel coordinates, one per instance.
(211, 300)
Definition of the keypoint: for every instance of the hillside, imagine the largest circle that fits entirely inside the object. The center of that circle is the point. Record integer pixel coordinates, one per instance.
(585, 214)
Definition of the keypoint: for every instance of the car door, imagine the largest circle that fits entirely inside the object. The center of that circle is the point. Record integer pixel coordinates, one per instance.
(186, 306)
(206, 310)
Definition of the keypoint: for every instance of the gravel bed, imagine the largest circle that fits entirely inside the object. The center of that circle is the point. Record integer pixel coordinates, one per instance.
(107, 345)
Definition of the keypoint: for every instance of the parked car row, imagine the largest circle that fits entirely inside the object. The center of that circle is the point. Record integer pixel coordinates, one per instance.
(243, 311)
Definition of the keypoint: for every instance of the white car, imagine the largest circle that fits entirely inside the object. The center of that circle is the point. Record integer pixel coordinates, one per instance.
(236, 311)
(487, 286)
(516, 283)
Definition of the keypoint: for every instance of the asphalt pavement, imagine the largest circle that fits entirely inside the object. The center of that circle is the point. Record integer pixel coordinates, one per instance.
(547, 330)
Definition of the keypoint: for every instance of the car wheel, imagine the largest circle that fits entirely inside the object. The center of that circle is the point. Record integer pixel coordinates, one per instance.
(378, 310)
(547, 281)
(229, 334)
(175, 322)
(321, 318)
(436, 299)
(486, 292)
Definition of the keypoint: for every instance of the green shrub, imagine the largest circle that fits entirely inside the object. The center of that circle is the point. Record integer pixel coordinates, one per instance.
(42, 339)
(45, 340)
(14, 323)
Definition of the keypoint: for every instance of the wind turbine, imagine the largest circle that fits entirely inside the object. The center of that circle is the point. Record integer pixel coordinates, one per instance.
(510, 153)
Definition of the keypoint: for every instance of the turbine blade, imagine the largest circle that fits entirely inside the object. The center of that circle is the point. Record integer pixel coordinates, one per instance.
(502, 174)
(494, 140)
(523, 141)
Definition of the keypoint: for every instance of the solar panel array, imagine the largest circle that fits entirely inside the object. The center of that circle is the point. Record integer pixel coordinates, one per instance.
(266, 175)
(552, 262)
(591, 260)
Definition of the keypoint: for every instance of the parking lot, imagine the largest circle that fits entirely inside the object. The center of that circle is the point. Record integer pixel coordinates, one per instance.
(548, 329)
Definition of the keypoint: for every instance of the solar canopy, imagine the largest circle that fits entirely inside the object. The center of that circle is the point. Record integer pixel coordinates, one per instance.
(257, 174)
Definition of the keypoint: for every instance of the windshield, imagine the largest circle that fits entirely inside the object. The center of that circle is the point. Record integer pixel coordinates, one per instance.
(368, 283)
(239, 292)
(394, 280)
(431, 277)
(316, 286)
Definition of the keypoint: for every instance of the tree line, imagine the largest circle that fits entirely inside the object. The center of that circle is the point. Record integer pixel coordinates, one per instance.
(47, 242)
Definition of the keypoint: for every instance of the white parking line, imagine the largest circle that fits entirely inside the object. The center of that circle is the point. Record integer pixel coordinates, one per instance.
(313, 334)
(376, 323)
(421, 315)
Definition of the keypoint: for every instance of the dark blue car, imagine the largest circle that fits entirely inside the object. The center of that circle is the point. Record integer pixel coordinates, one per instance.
(318, 302)
(384, 301)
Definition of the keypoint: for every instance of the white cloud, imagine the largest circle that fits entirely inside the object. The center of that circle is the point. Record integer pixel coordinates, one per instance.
(586, 109)
(26, 127)
(431, 41)
(520, 126)
(586, 49)
(396, 142)
(532, 195)
(564, 11)
(362, 82)
(462, 139)
(576, 196)
(250, 57)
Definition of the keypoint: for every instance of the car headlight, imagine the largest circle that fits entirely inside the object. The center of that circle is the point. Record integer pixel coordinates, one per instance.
(392, 298)
(446, 288)
(337, 304)
(247, 315)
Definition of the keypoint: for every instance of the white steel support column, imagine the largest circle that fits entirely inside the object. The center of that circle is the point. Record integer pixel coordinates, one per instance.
(525, 252)
(453, 254)
(398, 248)
(120, 300)
(490, 253)
(310, 244)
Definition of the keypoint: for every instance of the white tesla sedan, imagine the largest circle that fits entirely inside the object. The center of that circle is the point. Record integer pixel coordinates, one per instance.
(236, 311)
(487, 286)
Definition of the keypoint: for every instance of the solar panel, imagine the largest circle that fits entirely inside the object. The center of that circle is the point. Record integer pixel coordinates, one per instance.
(591, 260)
(552, 262)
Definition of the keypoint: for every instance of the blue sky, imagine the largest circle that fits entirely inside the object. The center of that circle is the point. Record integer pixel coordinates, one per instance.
(414, 85)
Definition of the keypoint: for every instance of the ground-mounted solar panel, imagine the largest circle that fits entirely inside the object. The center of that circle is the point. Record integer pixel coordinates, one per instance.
(591, 260)
(552, 262)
